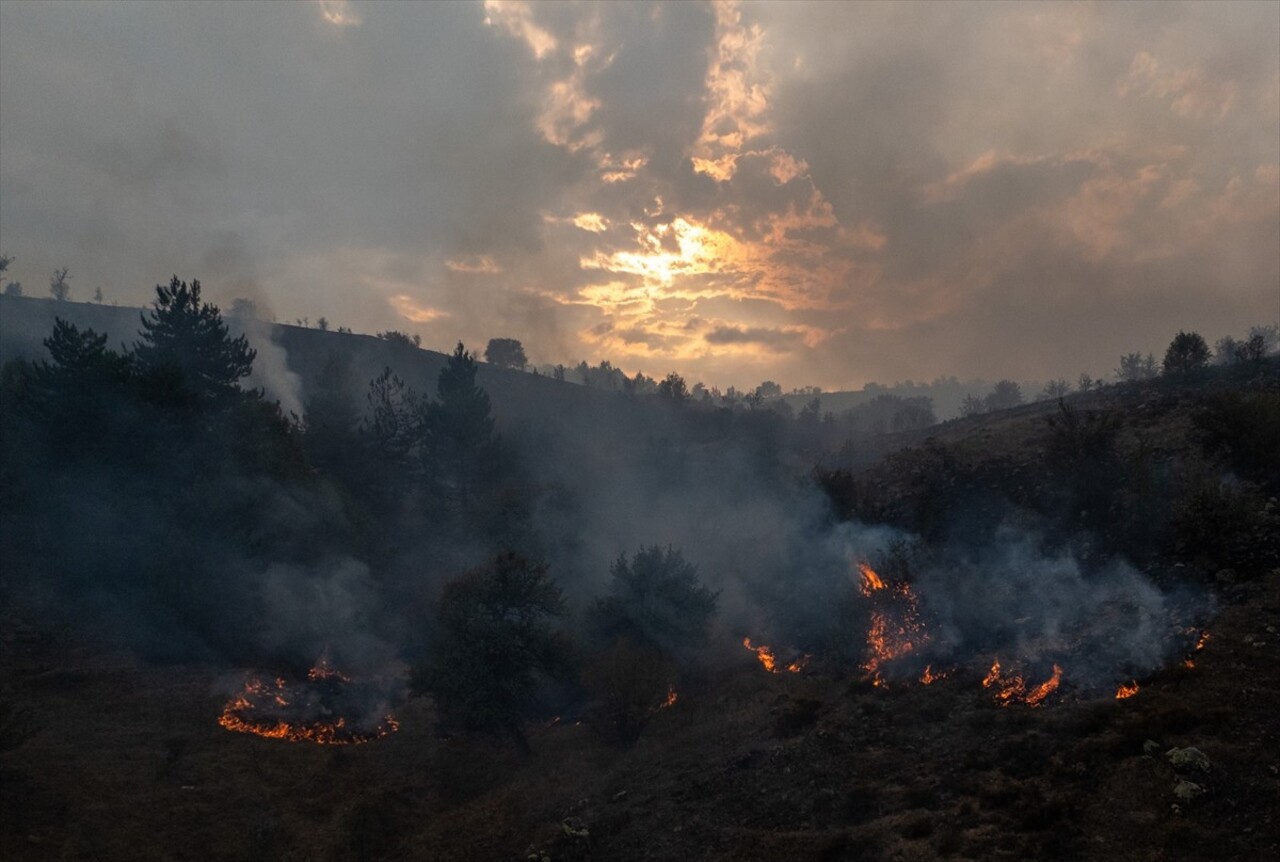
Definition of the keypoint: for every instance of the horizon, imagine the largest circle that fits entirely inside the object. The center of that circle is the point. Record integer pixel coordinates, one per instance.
(819, 195)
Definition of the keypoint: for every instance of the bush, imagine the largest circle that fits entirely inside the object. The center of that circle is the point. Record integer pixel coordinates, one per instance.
(655, 601)
(628, 684)
(493, 642)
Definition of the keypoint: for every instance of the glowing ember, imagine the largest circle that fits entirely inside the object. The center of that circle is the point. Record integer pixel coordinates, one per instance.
(769, 661)
(320, 710)
(672, 697)
(1202, 639)
(1128, 689)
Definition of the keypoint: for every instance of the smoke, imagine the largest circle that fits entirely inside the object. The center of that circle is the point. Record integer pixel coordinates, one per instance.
(271, 369)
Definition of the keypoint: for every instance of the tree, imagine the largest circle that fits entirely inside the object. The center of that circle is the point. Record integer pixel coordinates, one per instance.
(1085, 383)
(673, 390)
(493, 640)
(458, 432)
(769, 389)
(323, 324)
(655, 600)
(58, 286)
(1055, 389)
(972, 405)
(12, 288)
(1187, 352)
(1004, 395)
(505, 353)
(1226, 351)
(400, 339)
(185, 344)
(1135, 367)
(97, 295)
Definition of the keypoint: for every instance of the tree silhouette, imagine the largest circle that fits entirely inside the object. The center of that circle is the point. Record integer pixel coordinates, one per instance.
(1186, 353)
(673, 390)
(1135, 367)
(655, 600)
(505, 353)
(493, 639)
(58, 286)
(458, 433)
(185, 347)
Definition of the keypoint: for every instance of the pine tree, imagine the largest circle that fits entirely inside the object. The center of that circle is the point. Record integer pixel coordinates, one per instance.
(458, 445)
(186, 348)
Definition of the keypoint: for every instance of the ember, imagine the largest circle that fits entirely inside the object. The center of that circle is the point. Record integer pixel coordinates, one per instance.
(1128, 689)
(325, 709)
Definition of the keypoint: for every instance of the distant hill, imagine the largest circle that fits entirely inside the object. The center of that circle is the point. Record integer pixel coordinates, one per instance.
(290, 358)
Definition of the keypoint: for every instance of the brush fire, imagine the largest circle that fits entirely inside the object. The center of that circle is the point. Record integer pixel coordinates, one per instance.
(769, 661)
(896, 629)
(327, 709)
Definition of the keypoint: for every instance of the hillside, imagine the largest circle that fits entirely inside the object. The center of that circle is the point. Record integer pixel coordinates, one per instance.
(111, 757)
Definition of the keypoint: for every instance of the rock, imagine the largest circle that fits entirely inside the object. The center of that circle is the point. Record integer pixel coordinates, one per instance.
(574, 828)
(619, 796)
(1226, 576)
(1187, 790)
(1188, 758)
(1150, 747)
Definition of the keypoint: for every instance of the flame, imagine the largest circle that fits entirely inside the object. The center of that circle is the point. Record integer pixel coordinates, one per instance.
(254, 710)
(1046, 688)
(870, 580)
(895, 628)
(1013, 689)
(929, 676)
(767, 659)
(1128, 689)
(672, 697)
(1203, 638)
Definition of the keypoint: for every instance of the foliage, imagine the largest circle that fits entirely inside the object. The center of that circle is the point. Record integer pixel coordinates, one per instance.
(493, 640)
(627, 684)
(505, 353)
(1135, 367)
(186, 352)
(1055, 389)
(58, 287)
(1005, 394)
(655, 600)
(458, 441)
(1187, 352)
(673, 390)
(1245, 427)
(401, 340)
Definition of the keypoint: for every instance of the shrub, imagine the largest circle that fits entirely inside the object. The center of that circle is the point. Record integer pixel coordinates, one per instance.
(655, 600)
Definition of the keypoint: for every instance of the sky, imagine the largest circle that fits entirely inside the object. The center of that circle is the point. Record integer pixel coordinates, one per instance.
(818, 194)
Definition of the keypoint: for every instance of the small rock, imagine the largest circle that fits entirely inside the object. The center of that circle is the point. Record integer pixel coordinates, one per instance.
(1150, 747)
(1187, 790)
(1226, 576)
(619, 796)
(1188, 758)
(574, 828)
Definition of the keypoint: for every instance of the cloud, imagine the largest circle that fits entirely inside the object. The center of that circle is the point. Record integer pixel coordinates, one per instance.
(873, 191)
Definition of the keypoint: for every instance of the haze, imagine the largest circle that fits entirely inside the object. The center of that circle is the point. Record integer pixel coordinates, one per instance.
(822, 194)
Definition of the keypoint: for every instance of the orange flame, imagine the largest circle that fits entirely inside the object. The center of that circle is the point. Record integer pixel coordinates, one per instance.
(1128, 689)
(895, 628)
(672, 697)
(767, 659)
(870, 580)
(1013, 689)
(1046, 688)
(243, 713)
(929, 676)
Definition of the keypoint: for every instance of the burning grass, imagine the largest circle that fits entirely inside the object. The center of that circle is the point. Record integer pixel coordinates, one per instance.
(327, 708)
